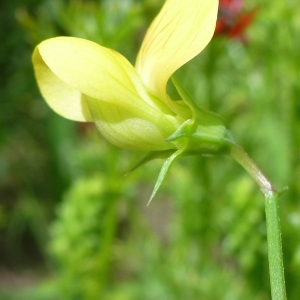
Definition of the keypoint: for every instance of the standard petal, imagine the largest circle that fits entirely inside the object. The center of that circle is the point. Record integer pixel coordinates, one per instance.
(181, 30)
(68, 67)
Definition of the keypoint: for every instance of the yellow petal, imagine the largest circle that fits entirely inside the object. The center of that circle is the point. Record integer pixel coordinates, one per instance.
(133, 127)
(68, 67)
(63, 99)
(181, 30)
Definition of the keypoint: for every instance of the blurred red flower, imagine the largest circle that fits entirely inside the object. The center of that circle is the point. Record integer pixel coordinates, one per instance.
(232, 21)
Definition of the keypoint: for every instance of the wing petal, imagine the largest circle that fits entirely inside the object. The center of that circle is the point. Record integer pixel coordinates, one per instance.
(68, 67)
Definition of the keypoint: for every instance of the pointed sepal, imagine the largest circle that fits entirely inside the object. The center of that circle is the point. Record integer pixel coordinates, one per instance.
(163, 172)
(202, 116)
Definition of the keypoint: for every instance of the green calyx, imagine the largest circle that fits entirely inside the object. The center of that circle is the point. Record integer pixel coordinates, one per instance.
(193, 138)
(205, 133)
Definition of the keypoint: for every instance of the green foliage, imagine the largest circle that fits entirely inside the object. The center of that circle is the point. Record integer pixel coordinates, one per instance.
(82, 237)
(204, 235)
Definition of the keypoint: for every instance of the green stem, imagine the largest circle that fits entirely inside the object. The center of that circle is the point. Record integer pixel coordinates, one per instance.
(273, 222)
(274, 246)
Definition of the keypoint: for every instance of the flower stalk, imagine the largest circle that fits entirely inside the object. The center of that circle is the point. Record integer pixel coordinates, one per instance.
(275, 255)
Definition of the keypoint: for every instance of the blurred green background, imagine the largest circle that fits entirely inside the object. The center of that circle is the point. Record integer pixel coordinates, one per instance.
(72, 226)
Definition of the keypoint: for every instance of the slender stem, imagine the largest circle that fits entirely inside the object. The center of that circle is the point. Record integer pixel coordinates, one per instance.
(273, 222)
(275, 246)
(239, 154)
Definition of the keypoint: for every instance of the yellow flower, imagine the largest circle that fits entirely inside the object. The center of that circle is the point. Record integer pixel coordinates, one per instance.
(84, 81)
